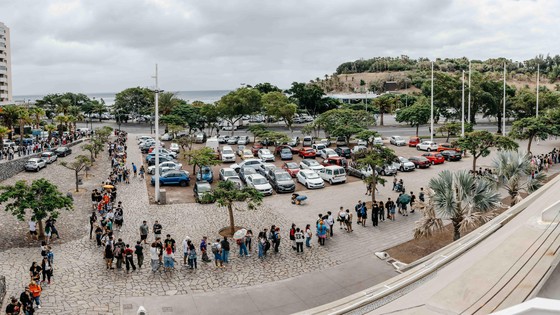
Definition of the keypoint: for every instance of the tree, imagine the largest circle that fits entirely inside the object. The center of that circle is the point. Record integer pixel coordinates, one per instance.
(310, 97)
(36, 114)
(234, 105)
(3, 131)
(275, 137)
(344, 122)
(167, 101)
(450, 128)
(135, 101)
(190, 115)
(92, 150)
(171, 120)
(185, 142)
(100, 109)
(10, 115)
(513, 171)
(531, 128)
(367, 135)
(276, 104)
(376, 157)
(79, 163)
(50, 128)
(76, 115)
(385, 104)
(41, 197)
(479, 142)
(257, 130)
(227, 194)
(202, 157)
(23, 119)
(209, 117)
(415, 115)
(266, 87)
(461, 197)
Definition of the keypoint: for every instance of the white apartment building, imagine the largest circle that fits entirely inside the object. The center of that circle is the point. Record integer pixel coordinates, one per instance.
(5, 65)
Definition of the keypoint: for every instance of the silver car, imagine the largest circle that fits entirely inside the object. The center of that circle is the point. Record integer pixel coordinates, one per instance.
(35, 164)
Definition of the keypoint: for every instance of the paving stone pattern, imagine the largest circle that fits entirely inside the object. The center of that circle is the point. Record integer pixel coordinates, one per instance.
(82, 285)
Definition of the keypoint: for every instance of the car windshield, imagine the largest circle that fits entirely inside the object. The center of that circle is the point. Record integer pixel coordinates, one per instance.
(229, 173)
(247, 152)
(398, 138)
(33, 161)
(312, 175)
(259, 181)
(291, 165)
(45, 155)
(283, 176)
(204, 188)
(264, 151)
(249, 170)
(286, 150)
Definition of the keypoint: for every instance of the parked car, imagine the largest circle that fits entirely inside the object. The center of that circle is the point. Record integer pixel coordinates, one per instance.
(307, 141)
(243, 140)
(435, 158)
(162, 151)
(311, 164)
(307, 152)
(265, 155)
(260, 183)
(292, 149)
(286, 154)
(291, 167)
(265, 167)
(227, 155)
(327, 153)
(174, 177)
(167, 137)
(362, 143)
(403, 164)
(141, 139)
(358, 149)
(310, 179)
(254, 163)
(335, 160)
(318, 146)
(174, 147)
(427, 146)
(343, 151)
(377, 141)
(386, 170)
(325, 141)
(152, 155)
(200, 190)
(246, 154)
(448, 146)
(420, 161)
(167, 164)
(35, 164)
(451, 155)
(333, 174)
(246, 171)
(162, 158)
(233, 140)
(397, 140)
(200, 137)
(223, 139)
(204, 173)
(341, 141)
(256, 147)
(294, 142)
(49, 157)
(63, 151)
(281, 181)
(413, 141)
(152, 148)
(362, 172)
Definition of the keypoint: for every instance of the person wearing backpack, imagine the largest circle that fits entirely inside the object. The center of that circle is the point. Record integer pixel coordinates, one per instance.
(299, 240)
(128, 256)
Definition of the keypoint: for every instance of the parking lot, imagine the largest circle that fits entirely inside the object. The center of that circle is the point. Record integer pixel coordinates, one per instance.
(178, 194)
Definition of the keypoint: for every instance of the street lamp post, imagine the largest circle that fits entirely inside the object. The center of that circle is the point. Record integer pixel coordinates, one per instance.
(432, 107)
(463, 107)
(156, 177)
(469, 105)
(504, 112)
(538, 78)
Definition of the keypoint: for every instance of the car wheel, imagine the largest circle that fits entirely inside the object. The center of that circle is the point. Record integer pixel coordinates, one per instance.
(401, 169)
(416, 165)
(417, 148)
(383, 173)
(433, 163)
(306, 185)
(183, 183)
(429, 150)
(330, 181)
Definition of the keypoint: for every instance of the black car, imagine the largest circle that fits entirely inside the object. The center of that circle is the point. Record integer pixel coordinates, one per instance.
(281, 181)
(63, 151)
(343, 151)
(451, 155)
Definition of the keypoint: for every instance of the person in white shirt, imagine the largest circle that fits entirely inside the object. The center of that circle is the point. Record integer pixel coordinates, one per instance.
(185, 250)
(154, 257)
(33, 229)
(299, 240)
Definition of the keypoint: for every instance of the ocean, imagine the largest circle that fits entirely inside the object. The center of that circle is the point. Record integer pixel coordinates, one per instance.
(210, 96)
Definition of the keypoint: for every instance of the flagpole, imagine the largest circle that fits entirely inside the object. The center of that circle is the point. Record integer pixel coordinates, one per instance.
(463, 107)
(504, 113)
(538, 77)
(469, 105)
(432, 107)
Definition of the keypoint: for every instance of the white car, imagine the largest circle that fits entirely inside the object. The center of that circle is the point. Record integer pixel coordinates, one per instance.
(308, 164)
(362, 142)
(265, 155)
(427, 146)
(310, 179)
(260, 183)
(49, 157)
(327, 153)
(333, 174)
(403, 164)
(144, 138)
(318, 146)
(167, 165)
(397, 140)
(226, 173)
(377, 141)
(254, 163)
(174, 147)
(358, 148)
(166, 137)
(227, 154)
(35, 164)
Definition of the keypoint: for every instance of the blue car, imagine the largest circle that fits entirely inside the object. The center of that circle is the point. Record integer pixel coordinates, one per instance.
(175, 177)
(205, 174)
(286, 154)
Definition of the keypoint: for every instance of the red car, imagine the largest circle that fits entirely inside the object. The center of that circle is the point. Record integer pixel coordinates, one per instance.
(420, 161)
(292, 168)
(448, 146)
(435, 158)
(336, 160)
(256, 147)
(307, 152)
(280, 147)
(413, 141)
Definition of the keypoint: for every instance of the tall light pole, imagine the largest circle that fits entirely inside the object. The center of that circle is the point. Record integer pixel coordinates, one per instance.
(157, 138)
(463, 107)
(504, 113)
(432, 107)
(538, 77)
(469, 105)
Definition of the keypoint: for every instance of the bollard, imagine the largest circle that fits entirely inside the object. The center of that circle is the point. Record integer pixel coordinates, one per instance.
(162, 196)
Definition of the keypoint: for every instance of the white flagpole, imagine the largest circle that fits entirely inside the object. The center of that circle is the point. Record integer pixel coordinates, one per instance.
(469, 105)
(463, 107)
(432, 107)
(538, 78)
(504, 113)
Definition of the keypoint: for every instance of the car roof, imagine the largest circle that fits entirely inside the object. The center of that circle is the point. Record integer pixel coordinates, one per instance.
(227, 169)
(256, 175)
(334, 167)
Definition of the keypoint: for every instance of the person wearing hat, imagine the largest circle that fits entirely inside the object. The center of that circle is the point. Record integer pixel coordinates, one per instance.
(14, 308)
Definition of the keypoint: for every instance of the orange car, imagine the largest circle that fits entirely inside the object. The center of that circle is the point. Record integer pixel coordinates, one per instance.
(447, 146)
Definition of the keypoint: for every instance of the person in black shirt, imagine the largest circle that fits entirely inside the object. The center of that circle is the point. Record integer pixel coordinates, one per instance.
(14, 308)
(139, 254)
(92, 220)
(157, 229)
(169, 241)
(35, 272)
(26, 300)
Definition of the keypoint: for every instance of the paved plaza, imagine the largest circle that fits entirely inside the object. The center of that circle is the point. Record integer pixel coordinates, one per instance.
(82, 285)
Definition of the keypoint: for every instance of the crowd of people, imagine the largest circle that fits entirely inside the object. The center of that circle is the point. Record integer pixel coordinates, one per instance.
(37, 145)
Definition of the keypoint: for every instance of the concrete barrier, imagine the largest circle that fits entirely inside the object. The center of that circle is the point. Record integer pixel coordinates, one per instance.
(550, 214)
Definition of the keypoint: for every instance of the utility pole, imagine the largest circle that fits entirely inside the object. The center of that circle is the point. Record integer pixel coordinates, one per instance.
(157, 137)
(432, 107)
(538, 81)
(463, 107)
(504, 113)
(469, 105)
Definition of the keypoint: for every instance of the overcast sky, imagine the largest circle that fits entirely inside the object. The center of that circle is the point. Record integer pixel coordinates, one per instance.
(108, 45)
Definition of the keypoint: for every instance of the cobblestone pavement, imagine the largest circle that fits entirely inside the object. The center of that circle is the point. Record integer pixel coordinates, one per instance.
(82, 285)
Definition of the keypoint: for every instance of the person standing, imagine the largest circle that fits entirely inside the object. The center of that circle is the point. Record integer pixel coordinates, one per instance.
(171, 242)
(139, 251)
(358, 209)
(128, 256)
(225, 250)
(33, 229)
(168, 258)
(363, 211)
(330, 223)
(308, 235)
(47, 270)
(109, 256)
(322, 232)
(35, 290)
(14, 308)
(412, 200)
(381, 211)
(277, 238)
(204, 249)
(154, 257)
(144, 230)
(390, 206)
(52, 222)
(185, 246)
(35, 272)
(421, 195)
(299, 240)
(192, 255)
(249, 240)
(92, 221)
(119, 252)
(134, 170)
(217, 251)
(26, 300)
(157, 229)
(341, 218)
(375, 214)
(292, 236)
(142, 171)
(348, 221)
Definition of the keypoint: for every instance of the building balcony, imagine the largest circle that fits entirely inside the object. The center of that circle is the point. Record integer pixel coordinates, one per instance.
(4, 80)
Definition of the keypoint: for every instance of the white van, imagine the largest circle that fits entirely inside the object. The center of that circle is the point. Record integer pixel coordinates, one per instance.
(307, 141)
(213, 143)
(333, 174)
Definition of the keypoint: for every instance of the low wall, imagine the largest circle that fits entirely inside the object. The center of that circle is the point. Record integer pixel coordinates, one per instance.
(10, 168)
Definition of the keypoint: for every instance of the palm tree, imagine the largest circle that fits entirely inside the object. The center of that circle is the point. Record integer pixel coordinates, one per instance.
(62, 122)
(3, 131)
(76, 113)
(63, 105)
(10, 115)
(36, 114)
(464, 199)
(23, 119)
(430, 223)
(514, 172)
(50, 128)
(166, 102)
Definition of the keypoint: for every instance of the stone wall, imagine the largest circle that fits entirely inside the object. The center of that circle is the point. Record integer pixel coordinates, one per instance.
(11, 168)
